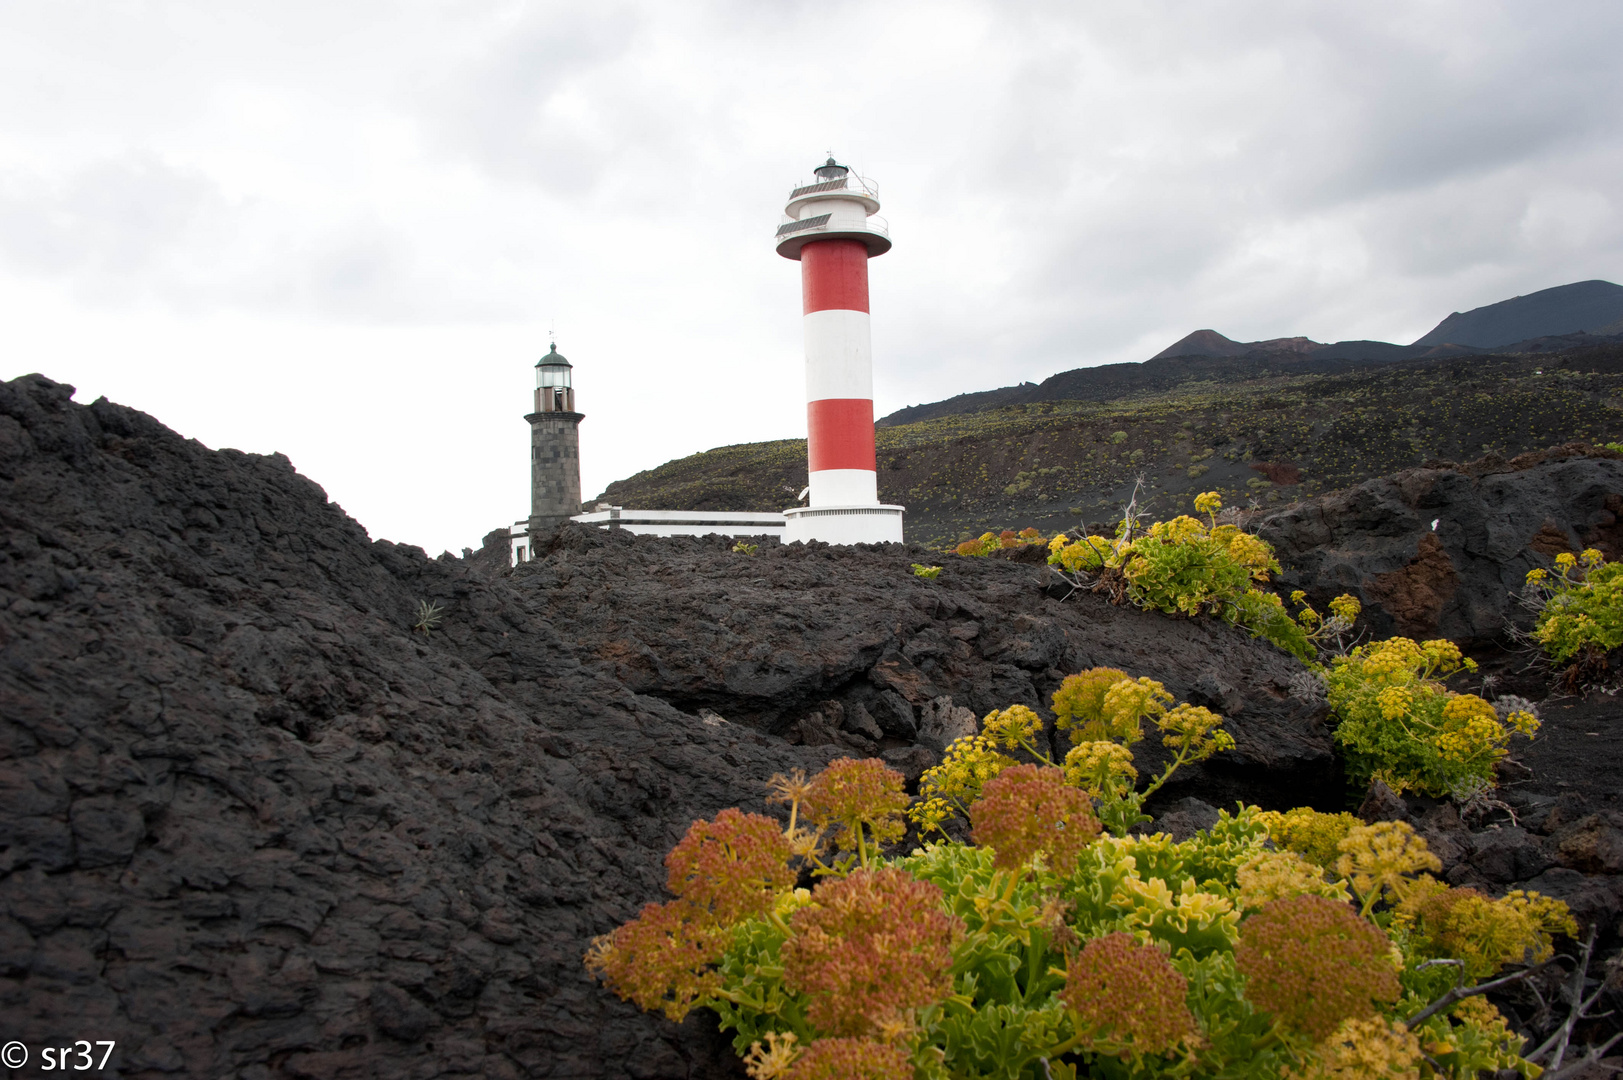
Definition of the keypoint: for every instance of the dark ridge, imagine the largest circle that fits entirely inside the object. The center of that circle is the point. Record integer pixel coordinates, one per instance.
(1567, 316)
(1582, 307)
(1211, 343)
(1111, 381)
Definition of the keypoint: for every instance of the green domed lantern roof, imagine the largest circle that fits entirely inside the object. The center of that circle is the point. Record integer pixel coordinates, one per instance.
(553, 359)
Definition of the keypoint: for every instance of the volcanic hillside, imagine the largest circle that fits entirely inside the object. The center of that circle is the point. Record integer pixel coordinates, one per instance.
(1594, 307)
(259, 819)
(1262, 430)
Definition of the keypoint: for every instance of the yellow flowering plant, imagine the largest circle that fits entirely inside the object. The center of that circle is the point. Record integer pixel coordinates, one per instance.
(1046, 948)
(1103, 711)
(1580, 607)
(1401, 725)
(955, 783)
(1381, 860)
(1482, 933)
(1276, 875)
(1187, 566)
(1314, 836)
(1369, 1048)
(1102, 769)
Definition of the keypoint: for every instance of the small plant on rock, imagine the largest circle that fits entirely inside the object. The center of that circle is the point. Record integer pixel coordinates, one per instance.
(1103, 711)
(1187, 566)
(928, 573)
(1400, 725)
(988, 542)
(1580, 608)
(428, 618)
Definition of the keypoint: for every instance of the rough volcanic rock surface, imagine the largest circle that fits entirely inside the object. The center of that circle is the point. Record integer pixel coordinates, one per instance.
(1439, 552)
(769, 639)
(252, 825)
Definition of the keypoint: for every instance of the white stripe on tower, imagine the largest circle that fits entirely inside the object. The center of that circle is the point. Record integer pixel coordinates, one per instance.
(841, 341)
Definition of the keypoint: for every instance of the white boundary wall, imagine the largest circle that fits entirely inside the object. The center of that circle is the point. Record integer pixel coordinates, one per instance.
(863, 524)
(659, 523)
(685, 522)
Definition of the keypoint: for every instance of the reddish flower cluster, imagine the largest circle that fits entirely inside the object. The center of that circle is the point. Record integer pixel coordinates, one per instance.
(851, 794)
(1312, 962)
(851, 1059)
(869, 946)
(1128, 999)
(731, 868)
(722, 872)
(663, 959)
(1027, 810)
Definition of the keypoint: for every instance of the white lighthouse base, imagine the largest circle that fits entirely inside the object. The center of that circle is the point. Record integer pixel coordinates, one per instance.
(873, 524)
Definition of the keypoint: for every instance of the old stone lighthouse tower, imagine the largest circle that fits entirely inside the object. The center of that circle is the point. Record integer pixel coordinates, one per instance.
(554, 446)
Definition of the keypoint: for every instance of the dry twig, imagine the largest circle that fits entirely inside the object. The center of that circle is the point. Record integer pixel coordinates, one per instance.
(1459, 993)
(1558, 1041)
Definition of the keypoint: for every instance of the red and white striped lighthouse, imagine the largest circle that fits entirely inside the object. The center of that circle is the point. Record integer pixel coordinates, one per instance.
(829, 226)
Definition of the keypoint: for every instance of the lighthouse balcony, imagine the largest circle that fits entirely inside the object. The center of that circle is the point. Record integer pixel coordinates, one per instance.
(856, 188)
(793, 234)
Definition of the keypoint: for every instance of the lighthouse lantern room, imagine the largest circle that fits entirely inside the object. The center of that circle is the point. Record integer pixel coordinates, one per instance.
(830, 227)
(553, 392)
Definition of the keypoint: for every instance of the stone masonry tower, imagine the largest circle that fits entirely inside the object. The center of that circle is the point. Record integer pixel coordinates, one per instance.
(554, 446)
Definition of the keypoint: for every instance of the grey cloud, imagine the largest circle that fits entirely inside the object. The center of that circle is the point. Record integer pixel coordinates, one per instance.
(116, 217)
(1074, 177)
(1379, 105)
(492, 106)
(132, 227)
(370, 272)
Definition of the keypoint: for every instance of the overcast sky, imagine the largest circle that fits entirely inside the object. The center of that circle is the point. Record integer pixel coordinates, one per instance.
(344, 230)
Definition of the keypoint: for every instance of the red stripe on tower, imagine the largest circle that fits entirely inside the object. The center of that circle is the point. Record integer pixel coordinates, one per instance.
(834, 275)
(839, 434)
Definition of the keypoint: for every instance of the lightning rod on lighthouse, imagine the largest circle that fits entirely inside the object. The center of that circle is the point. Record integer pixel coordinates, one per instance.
(830, 228)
